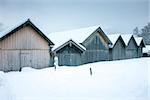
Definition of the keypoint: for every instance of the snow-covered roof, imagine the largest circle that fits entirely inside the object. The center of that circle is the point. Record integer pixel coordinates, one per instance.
(138, 40)
(80, 45)
(113, 38)
(77, 35)
(146, 49)
(126, 38)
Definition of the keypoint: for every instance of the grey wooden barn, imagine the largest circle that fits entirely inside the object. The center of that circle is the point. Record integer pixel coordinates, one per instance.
(140, 43)
(24, 46)
(132, 49)
(99, 45)
(125, 46)
(117, 52)
(69, 54)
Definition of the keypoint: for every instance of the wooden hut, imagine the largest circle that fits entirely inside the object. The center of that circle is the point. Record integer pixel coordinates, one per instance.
(69, 54)
(133, 46)
(132, 49)
(93, 39)
(141, 45)
(97, 47)
(24, 46)
(146, 51)
(117, 52)
(100, 46)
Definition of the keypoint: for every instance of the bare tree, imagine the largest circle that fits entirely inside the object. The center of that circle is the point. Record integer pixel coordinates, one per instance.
(144, 32)
(136, 31)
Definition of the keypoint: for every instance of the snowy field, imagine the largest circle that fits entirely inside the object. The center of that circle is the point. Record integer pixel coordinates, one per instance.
(113, 80)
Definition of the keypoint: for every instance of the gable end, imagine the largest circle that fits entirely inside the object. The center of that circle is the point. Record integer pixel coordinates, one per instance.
(98, 30)
(132, 43)
(119, 38)
(27, 23)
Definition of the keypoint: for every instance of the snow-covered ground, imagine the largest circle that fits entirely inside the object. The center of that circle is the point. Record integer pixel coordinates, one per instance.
(112, 80)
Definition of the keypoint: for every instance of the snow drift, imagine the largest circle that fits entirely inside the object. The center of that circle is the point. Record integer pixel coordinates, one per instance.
(111, 80)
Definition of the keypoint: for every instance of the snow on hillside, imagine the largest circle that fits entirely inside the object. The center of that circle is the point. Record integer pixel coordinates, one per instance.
(111, 80)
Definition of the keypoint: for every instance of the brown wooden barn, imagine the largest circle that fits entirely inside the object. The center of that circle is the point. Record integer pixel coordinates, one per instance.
(24, 46)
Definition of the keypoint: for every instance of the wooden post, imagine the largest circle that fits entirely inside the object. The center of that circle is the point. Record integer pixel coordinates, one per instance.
(55, 67)
(90, 71)
(20, 69)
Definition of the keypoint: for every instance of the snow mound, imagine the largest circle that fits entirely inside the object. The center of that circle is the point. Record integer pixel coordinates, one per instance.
(110, 80)
(28, 69)
(1, 77)
(1, 73)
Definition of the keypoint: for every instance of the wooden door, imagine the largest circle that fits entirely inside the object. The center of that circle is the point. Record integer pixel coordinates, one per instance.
(67, 59)
(25, 59)
(73, 59)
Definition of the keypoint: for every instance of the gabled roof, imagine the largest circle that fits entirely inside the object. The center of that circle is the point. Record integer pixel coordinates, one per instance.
(146, 49)
(101, 32)
(79, 46)
(126, 38)
(139, 40)
(113, 38)
(81, 35)
(78, 35)
(4, 34)
(119, 38)
(132, 37)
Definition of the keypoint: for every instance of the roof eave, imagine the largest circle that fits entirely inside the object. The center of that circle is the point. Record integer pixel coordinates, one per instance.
(66, 43)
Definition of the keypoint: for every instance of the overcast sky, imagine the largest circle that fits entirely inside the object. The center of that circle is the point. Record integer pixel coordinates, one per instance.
(59, 15)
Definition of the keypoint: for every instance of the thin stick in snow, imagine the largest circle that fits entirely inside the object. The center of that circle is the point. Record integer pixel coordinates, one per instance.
(55, 67)
(90, 71)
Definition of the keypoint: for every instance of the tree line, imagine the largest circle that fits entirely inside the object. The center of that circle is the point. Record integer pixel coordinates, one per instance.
(143, 32)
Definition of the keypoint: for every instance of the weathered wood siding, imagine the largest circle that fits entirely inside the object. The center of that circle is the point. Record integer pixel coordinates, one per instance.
(25, 48)
(132, 49)
(10, 60)
(140, 51)
(69, 56)
(25, 38)
(118, 51)
(96, 49)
